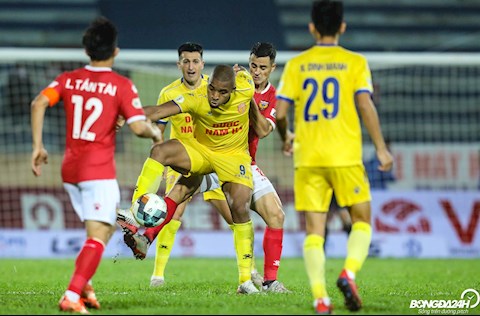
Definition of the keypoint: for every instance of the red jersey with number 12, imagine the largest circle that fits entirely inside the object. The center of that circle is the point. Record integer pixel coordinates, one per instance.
(266, 102)
(93, 98)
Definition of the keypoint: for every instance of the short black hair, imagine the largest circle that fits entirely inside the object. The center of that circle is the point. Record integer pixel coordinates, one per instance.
(327, 16)
(100, 39)
(224, 73)
(190, 47)
(264, 49)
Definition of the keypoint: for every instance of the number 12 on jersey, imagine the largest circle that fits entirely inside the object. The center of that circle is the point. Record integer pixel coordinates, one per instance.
(83, 132)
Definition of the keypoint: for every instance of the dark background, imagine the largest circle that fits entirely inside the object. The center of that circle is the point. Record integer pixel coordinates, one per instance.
(372, 25)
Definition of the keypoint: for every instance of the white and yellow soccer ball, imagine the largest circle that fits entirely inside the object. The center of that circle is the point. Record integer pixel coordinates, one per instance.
(149, 210)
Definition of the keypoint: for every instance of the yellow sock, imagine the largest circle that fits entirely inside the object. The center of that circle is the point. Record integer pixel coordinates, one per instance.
(357, 246)
(232, 227)
(314, 257)
(165, 241)
(149, 179)
(242, 238)
(253, 268)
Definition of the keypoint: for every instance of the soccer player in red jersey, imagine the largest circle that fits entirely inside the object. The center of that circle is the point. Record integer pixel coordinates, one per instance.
(94, 98)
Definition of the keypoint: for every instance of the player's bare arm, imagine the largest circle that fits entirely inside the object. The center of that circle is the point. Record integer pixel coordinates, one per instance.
(372, 123)
(282, 126)
(261, 125)
(142, 129)
(39, 154)
(147, 130)
(155, 112)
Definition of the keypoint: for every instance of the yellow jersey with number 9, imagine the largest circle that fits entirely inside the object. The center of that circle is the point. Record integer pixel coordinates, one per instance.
(321, 83)
(225, 128)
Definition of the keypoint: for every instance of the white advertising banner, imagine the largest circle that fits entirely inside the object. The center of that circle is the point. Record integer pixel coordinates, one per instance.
(16, 243)
(431, 223)
(404, 224)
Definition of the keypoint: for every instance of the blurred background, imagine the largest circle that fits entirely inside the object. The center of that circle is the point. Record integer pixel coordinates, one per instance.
(373, 25)
(425, 62)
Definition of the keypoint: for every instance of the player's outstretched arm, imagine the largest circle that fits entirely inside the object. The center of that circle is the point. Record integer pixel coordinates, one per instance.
(146, 129)
(259, 123)
(157, 112)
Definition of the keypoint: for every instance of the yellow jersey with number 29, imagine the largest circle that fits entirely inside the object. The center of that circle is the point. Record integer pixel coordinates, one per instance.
(322, 82)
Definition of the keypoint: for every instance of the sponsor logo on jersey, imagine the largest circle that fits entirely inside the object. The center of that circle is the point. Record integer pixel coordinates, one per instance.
(136, 103)
(180, 99)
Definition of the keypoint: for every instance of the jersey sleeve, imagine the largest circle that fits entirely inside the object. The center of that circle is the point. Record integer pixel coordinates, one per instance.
(163, 98)
(244, 83)
(54, 90)
(131, 106)
(187, 102)
(364, 77)
(270, 112)
(287, 88)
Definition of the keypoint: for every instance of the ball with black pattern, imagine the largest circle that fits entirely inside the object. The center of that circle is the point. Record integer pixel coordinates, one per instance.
(150, 210)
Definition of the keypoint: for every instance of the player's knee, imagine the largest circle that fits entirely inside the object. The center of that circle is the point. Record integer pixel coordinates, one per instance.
(360, 212)
(238, 206)
(360, 217)
(276, 218)
(158, 153)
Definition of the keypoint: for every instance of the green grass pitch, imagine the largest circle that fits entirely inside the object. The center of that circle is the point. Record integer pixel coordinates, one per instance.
(201, 286)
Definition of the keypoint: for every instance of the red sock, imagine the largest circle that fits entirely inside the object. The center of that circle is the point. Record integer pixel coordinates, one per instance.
(152, 232)
(86, 264)
(272, 247)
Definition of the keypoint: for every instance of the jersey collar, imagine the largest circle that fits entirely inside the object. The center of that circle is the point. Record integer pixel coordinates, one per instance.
(266, 88)
(97, 69)
(326, 45)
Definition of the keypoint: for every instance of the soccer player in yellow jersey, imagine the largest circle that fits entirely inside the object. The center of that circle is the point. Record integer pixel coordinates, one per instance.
(326, 84)
(265, 200)
(190, 63)
(220, 113)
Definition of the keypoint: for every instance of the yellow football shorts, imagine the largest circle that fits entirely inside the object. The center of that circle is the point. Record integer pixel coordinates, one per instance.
(314, 186)
(216, 194)
(230, 167)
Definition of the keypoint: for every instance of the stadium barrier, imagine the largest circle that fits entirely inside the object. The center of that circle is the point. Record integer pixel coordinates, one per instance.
(427, 103)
